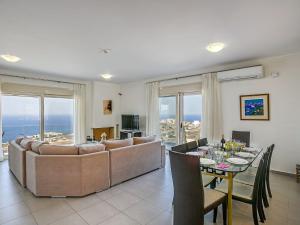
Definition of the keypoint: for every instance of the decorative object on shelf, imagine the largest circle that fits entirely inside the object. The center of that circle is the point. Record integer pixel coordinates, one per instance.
(107, 107)
(103, 137)
(254, 107)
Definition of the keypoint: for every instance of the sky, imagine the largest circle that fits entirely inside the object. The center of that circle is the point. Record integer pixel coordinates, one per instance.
(30, 106)
(192, 105)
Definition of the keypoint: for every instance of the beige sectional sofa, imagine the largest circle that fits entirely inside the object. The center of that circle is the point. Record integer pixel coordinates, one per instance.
(49, 170)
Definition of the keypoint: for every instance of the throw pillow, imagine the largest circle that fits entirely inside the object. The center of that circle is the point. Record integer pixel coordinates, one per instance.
(141, 140)
(36, 145)
(117, 143)
(26, 143)
(19, 139)
(90, 148)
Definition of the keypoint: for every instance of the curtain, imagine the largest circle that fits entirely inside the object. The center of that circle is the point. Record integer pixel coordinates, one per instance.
(1, 150)
(79, 103)
(152, 109)
(211, 125)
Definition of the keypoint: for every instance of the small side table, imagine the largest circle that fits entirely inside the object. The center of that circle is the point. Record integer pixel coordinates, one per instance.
(298, 172)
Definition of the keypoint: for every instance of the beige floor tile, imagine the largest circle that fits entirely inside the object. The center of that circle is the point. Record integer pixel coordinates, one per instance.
(123, 201)
(143, 212)
(166, 218)
(35, 203)
(52, 213)
(24, 220)
(104, 195)
(98, 213)
(13, 212)
(119, 219)
(81, 203)
(73, 219)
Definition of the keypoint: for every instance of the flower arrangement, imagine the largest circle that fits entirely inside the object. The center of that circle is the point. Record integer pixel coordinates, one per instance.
(232, 145)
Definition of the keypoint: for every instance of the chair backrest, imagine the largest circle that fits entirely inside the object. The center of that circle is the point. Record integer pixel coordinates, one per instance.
(258, 178)
(242, 136)
(192, 145)
(180, 148)
(202, 142)
(271, 149)
(188, 189)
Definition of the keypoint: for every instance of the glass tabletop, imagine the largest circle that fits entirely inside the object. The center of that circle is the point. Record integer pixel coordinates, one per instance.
(224, 161)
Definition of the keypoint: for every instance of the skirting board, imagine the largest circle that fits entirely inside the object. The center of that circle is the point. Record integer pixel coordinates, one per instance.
(283, 173)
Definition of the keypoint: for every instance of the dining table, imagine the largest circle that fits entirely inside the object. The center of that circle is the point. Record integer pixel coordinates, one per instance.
(225, 164)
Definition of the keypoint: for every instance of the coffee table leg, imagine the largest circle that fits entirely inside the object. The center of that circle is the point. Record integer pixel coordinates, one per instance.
(230, 186)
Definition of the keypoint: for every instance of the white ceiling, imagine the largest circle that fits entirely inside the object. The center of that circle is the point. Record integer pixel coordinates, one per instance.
(148, 38)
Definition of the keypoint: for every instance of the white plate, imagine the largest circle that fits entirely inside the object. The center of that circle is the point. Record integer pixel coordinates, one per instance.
(205, 148)
(245, 154)
(250, 149)
(195, 153)
(205, 161)
(237, 161)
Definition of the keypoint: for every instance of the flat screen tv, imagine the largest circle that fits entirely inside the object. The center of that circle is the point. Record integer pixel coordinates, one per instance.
(130, 122)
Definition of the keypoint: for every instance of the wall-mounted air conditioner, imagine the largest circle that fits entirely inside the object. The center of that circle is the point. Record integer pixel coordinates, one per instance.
(253, 72)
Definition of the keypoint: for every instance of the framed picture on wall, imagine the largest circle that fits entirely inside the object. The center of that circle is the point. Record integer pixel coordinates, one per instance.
(255, 107)
(107, 107)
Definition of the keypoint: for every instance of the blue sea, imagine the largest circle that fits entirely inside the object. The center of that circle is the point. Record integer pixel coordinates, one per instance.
(189, 118)
(14, 126)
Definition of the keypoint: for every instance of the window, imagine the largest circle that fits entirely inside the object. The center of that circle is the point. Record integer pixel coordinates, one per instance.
(40, 117)
(20, 117)
(59, 117)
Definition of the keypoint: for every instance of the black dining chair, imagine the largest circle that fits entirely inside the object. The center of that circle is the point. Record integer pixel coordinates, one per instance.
(191, 200)
(192, 146)
(184, 148)
(249, 194)
(202, 142)
(242, 136)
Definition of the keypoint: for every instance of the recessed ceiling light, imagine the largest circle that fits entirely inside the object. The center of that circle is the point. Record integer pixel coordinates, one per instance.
(215, 47)
(10, 58)
(106, 76)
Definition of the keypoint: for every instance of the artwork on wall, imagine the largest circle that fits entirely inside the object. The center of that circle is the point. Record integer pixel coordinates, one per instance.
(254, 107)
(107, 107)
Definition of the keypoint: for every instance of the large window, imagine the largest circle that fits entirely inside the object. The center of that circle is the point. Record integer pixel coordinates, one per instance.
(42, 118)
(59, 127)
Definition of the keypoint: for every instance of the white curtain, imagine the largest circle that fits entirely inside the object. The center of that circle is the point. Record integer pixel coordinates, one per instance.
(1, 150)
(152, 109)
(79, 100)
(212, 124)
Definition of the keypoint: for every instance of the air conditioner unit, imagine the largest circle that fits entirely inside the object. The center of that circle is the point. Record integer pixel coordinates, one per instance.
(253, 72)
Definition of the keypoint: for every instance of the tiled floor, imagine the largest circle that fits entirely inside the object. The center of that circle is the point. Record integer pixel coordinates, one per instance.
(144, 200)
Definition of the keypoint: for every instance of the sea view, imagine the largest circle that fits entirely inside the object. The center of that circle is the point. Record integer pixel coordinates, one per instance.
(187, 118)
(14, 126)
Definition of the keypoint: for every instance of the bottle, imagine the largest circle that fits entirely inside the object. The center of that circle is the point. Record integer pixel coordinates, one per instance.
(222, 141)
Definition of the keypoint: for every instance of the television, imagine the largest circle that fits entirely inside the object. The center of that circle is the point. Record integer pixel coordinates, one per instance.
(130, 122)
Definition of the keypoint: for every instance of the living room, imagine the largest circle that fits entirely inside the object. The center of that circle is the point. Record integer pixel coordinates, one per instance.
(103, 104)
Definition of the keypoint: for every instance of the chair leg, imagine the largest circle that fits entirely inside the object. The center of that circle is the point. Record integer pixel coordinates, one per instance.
(254, 213)
(265, 198)
(268, 186)
(224, 208)
(261, 211)
(215, 214)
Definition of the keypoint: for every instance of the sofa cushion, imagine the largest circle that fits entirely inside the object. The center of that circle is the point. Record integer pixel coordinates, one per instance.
(26, 143)
(117, 143)
(19, 139)
(141, 140)
(47, 149)
(90, 148)
(36, 145)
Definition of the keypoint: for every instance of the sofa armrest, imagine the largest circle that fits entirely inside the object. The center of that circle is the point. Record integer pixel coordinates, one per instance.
(17, 161)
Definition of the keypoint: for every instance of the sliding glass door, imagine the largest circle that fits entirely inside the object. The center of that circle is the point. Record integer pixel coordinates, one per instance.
(180, 118)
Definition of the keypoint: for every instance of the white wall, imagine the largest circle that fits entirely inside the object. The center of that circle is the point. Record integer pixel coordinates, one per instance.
(105, 91)
(284, 127)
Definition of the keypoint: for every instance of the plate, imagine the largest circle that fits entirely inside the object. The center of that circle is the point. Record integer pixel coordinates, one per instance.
(205, 161)
(195, 153)
(250, 149)
(237, 161)
(245, 154)
(221, 153)
(205, 148)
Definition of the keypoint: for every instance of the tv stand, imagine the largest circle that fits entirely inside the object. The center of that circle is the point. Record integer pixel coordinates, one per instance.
(124, 134)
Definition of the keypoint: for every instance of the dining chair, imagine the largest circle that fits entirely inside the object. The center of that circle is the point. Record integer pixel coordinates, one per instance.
(192, 145)
(191, 200)
(249, 194)
(202, 142)
(183, 148)
(242, 136)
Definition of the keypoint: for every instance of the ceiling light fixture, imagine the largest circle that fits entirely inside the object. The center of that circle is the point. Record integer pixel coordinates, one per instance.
(106, 76)
(215, 47)
(10, 58)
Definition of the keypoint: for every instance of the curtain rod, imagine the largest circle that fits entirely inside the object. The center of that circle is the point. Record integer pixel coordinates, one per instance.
(196, 75)
(37, 78)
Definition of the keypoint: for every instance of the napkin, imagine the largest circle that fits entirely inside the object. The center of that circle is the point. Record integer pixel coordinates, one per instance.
(223, 166)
